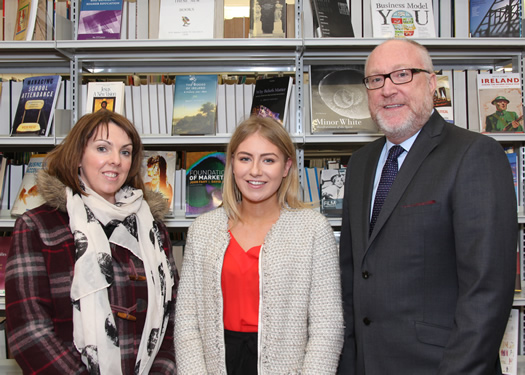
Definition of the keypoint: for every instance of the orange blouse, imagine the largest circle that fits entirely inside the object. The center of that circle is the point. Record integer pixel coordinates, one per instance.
(240, 287)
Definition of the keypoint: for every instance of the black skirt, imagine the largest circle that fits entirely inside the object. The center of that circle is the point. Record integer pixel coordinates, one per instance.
(241, 352)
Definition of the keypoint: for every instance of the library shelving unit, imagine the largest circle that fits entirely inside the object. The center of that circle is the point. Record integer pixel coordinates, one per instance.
(73, 58)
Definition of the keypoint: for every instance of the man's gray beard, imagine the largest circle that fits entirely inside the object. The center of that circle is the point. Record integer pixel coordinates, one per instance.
(411, 125)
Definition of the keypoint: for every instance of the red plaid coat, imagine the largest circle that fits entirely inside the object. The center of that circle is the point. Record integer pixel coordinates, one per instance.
(39, 313)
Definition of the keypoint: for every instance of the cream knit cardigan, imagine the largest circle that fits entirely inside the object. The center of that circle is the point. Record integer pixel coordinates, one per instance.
(300, 313)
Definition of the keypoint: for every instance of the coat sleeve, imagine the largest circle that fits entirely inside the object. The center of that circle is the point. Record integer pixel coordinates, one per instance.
(188, 338)
(347, 363)
(325, 315)
(31, 336)
(165, 360)
(485, 229)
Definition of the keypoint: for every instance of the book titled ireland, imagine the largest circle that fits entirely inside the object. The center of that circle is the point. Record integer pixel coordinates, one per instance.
(500, 103)
(36, 106)
(204, 176)
(100, 19)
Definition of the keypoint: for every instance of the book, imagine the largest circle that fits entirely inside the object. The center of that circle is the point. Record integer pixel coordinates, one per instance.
(443, 95)
(489, 18)
(25, 19)
(339, 101)
(508, 351)
(267, 18)
(403, 19)
(28, 196)
(332, 187)
(312, 190)
(194, 104)
(3, 170)
(100, 19)
(36, 106)
(5, 244)
(500, 105)
(204, 176)
(271, 98)
(187, 20)
(105, 95)
(159, 174)
(333, 18)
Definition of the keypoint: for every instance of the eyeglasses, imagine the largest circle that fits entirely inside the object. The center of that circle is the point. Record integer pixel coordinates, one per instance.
(398, 77)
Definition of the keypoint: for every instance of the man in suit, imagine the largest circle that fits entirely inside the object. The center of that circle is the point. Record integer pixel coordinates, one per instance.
(429, 289)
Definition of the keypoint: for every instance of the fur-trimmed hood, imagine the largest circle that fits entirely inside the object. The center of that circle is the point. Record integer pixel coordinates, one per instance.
(53, 191)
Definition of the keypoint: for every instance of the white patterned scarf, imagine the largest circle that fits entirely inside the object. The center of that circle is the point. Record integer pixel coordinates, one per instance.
(94, 330)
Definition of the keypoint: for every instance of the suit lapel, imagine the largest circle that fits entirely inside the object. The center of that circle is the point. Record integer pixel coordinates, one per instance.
(426, 141)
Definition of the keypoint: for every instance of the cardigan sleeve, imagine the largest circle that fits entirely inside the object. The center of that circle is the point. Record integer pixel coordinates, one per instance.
(32, 337)
(325, 313)
(188, 342)
(165, 360)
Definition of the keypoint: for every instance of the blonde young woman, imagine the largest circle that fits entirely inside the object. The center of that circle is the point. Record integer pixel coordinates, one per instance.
(260, 287)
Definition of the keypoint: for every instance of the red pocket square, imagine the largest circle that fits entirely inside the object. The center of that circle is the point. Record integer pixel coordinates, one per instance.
(427, 203)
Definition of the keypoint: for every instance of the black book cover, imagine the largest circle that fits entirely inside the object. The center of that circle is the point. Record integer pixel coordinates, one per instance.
(332, 18)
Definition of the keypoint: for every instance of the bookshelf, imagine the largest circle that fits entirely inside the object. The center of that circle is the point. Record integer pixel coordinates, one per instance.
(72, 58)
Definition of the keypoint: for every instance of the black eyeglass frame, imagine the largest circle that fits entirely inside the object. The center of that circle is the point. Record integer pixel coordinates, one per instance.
(385, 76)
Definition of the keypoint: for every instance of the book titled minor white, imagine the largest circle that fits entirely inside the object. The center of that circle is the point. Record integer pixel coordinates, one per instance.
(403, 19)
(105, 95)
(192, 19)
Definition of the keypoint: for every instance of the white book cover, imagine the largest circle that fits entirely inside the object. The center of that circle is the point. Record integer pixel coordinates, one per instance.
(500, 103)
(16, 174)
(180, 198)
(231, 115)
(128, 106)
(187, 20)
(146, 124)
(460, 97)
(443, 96)
(5, 103)
(508, 351)
(154, 14)
(154, 108)
(169, 89)
(142, 19)
(403, 19)
(137, 108)
(83, 97)
(249, 88)
(159, 174)
(28, 196)
(239, 103)
(472, 100)
(132, 19)
(161, 102)
(107, 95)
(221, 109)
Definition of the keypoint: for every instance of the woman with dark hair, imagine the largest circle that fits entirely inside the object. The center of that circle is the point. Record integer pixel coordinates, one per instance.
(260, 290)
(90, 280)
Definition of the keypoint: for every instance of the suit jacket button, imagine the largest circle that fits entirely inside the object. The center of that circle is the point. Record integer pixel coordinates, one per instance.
(366, 275)
(366, 321)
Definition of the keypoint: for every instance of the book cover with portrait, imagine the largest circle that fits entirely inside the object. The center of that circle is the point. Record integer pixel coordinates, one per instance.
(332, 187)
(500, 103)
(105, 95)
(159, 174)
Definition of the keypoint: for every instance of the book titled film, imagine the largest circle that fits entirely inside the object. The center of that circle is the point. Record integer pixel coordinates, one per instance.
(100, 19)
(500, 103)
(271, 98)
(194, 104)
(105, 95)
(332, 191)
(204, 177)
(159, 174)
(406, 19)
(36, 106)
(339, 100)
(28, 196)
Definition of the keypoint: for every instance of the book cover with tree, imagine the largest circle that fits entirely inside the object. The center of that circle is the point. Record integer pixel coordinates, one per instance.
(195, 104)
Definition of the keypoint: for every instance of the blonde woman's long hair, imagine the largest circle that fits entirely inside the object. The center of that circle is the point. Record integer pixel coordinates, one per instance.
(274, 132)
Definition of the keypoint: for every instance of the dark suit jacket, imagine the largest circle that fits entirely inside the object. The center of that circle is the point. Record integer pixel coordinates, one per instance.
(430, 291)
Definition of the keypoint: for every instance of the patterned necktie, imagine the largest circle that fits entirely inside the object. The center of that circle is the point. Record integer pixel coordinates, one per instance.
(388, 175)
